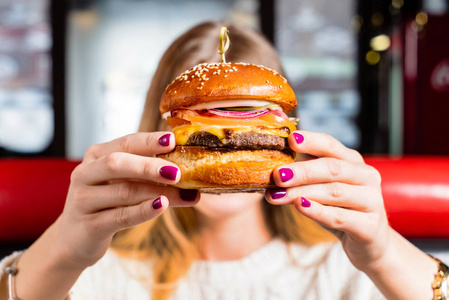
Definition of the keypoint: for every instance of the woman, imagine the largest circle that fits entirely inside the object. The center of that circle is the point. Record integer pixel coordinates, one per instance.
(223, 246)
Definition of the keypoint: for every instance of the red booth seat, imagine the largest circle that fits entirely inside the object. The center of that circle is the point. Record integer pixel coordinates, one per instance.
(416, 194)
(32, 195)
(415, 190)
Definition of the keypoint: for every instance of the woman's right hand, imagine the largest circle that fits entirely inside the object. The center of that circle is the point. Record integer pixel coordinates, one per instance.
(119, 184)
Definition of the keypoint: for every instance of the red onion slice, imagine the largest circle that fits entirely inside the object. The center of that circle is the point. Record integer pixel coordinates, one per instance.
(240, 114)
(279, 113)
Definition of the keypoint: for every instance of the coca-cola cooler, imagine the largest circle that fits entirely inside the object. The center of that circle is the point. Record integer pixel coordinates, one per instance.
(426, 83)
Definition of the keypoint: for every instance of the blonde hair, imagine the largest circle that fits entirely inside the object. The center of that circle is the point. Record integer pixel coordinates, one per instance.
(171, 241)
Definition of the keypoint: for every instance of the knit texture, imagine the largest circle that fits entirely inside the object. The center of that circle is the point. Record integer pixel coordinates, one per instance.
(275, 271)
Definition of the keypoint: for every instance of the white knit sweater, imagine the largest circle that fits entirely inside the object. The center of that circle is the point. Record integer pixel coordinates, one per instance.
(275, 271)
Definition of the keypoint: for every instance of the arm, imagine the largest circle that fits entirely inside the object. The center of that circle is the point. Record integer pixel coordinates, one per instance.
(404, 272)
(342, 193)
(118, 185)
(42, 271)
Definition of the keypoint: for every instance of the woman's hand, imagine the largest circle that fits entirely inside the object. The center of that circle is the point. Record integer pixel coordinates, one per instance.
(343, 194)
(118, 185)
(339, 191)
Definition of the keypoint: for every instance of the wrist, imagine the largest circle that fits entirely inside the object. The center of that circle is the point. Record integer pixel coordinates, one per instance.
(50, 255)
(384, 259)
(403, 265)
(44, 272)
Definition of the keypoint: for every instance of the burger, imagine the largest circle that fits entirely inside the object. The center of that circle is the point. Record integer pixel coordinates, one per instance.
(231, 126)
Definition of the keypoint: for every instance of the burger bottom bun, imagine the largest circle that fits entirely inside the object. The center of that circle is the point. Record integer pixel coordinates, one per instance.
(220, 170)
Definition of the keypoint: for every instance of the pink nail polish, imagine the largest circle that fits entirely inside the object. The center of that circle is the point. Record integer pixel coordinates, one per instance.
(165, 140)
(299, 138)
(286, 174)
(157, 203)
(188, 195)
(278, 193)
(305, 202)
(169, 172)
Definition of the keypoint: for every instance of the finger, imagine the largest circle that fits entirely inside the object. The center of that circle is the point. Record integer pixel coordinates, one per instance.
(323, 170)
(116, 219)
(127, 193)
(120, 165)
(322, 145)
(141, 143)
(339, 219)
(331, 194)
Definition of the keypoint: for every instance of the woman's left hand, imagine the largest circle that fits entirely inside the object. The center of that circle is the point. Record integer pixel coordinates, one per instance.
(339, 191)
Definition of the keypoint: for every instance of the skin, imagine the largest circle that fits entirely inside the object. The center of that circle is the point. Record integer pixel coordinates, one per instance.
(231, 227)
(117, 182)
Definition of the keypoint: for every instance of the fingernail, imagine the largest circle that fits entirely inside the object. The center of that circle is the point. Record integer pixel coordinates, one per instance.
(299, 138)
(286, 174)
(278, 193)
(188, 195)
(157, 203)
(169, 172)
(165, 140)
(305, 202)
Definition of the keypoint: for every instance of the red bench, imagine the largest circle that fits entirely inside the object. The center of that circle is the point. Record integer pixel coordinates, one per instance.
(415, 189)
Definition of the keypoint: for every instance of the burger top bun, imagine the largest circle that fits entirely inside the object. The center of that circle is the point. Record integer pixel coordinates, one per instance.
(227, 81)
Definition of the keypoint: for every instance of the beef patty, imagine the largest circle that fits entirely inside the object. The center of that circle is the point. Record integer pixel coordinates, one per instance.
(242, 141)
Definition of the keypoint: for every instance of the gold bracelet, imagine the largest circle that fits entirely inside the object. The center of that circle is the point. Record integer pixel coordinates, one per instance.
(440, 283)
(12, 272)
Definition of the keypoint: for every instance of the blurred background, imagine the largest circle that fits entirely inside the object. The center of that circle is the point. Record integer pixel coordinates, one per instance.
(374, 74)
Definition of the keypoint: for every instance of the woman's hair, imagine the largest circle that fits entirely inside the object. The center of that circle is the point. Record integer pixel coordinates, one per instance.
(170, 241)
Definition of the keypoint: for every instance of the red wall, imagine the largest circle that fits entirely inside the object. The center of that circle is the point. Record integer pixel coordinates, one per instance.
(426, 86)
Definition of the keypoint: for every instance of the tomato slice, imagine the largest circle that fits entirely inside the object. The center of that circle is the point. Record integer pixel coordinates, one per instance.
(175, 122)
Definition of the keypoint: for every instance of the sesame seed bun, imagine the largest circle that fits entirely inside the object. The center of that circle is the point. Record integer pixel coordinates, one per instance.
(222, 154)
(227, 81)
